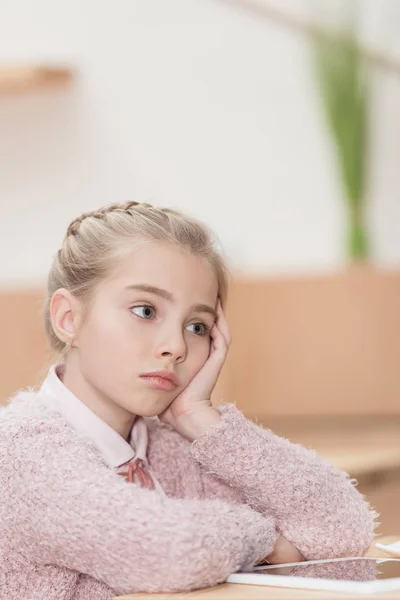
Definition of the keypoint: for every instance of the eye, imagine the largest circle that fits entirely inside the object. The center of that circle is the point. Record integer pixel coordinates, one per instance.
(147, 311)
(200, 329)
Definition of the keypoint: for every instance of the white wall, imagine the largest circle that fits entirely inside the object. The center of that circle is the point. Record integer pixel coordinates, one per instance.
(191, 104)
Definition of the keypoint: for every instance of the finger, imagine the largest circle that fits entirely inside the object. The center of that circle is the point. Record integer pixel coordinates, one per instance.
(223, 324)
(212, 367)
(218, 340)
(205, 380)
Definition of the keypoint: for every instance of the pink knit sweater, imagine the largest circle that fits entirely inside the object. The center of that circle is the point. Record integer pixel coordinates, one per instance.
(71, 528)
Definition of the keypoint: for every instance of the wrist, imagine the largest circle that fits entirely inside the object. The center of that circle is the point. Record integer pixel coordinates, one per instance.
(193, 425)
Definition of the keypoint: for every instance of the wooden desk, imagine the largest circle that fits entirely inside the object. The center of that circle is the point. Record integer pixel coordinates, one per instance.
(235, 591)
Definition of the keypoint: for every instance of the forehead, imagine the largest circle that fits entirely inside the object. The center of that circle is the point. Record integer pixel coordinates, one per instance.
(169, 267)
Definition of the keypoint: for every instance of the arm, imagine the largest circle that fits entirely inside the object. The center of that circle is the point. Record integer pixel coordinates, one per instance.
(71, 510)
(188, 480)
(316, 506)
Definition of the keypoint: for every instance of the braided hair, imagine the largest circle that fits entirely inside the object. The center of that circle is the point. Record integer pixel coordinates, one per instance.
(95, 240)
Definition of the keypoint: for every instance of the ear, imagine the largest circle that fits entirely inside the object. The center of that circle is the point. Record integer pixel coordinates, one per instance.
(65, 315)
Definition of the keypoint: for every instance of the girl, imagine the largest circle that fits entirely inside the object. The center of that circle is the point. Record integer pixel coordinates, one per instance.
(118, 475)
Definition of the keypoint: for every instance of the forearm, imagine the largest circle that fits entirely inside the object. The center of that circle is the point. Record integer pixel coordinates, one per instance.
(316, 506)
(196, 543)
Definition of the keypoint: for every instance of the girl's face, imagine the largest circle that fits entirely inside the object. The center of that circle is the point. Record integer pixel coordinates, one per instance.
(154, 313)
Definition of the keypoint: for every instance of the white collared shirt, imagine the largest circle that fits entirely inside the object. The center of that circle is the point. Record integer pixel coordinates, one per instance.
(115, 450)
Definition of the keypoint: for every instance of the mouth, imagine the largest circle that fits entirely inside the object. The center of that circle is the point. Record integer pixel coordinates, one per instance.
(161, 380)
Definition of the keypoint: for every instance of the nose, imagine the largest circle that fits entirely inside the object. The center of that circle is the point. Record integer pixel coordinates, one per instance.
(172, 346)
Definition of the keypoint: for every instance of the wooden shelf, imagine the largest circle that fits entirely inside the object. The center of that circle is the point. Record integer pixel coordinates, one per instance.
(18, 79)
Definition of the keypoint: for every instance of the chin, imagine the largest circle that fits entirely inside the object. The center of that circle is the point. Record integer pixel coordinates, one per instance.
(152, 411)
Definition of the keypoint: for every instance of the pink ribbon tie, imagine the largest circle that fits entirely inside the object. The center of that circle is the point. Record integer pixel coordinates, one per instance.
(137, 472)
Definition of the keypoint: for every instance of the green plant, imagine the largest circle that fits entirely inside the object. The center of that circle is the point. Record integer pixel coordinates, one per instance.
(343, 81)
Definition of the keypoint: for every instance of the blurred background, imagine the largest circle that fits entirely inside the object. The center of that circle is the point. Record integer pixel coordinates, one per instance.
(278, 124)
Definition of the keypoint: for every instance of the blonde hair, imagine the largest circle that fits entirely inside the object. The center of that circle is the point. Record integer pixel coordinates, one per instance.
(94, 241)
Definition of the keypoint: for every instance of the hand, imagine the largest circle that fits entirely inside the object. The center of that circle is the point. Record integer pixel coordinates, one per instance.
(191, 413)
(283, 552)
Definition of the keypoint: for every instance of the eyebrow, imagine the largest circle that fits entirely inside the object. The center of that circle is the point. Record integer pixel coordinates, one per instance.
(151, 289)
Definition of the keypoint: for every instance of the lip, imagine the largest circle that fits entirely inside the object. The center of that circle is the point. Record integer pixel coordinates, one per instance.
(168, 375)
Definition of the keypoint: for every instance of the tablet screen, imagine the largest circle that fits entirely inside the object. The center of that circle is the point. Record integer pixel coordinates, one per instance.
(348, 569)
(369, 575)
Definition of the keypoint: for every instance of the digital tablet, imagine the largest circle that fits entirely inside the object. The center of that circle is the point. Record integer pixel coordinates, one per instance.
(361, 575)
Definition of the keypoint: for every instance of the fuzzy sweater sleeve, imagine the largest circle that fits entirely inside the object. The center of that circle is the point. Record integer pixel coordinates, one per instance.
(316, 506)
(68, 508)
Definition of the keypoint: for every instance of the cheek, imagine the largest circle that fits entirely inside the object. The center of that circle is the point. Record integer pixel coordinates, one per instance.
(106, 336)
(101, 332)
(199, 354)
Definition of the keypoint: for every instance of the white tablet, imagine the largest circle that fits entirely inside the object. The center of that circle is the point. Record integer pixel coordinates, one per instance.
(359, 575)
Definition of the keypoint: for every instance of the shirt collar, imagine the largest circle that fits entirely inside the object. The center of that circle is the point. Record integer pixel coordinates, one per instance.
(115, 450)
